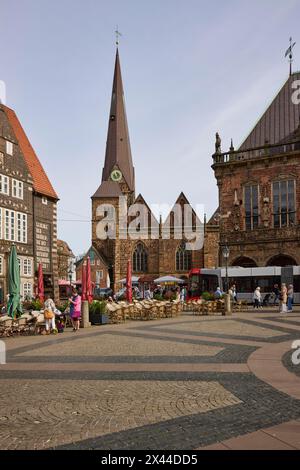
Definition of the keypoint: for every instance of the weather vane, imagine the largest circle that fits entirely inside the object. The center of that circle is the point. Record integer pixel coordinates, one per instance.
(118, 34)
(289, 53)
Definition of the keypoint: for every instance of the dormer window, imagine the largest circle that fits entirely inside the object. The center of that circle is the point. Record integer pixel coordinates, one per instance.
(9, 148)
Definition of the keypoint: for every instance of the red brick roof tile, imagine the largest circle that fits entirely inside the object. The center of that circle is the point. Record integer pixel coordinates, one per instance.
(41, 181)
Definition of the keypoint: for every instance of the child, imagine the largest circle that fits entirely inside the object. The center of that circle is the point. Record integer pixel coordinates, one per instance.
(60, 325)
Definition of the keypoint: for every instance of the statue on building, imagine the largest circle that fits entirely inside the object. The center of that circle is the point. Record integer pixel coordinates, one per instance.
(266, 212)
(218, 144)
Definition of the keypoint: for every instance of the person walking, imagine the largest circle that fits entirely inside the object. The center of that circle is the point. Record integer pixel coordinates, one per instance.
(75, 309)
(218, 293)
(257, 298)
(276, 293)
(49, 315)
(283, 295)
(182, 295)
(232, 294)
(147, 295)
(290, 298)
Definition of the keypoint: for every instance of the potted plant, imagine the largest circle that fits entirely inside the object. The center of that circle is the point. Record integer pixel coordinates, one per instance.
(97, 312)
(207, 296)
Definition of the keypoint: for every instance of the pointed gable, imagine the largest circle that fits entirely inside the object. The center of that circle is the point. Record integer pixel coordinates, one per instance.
(174, 218)
(93, 253)
(146, 218)
(215, 218)
(118, 152)
(41, 182)
(140, 200)
(280, 120)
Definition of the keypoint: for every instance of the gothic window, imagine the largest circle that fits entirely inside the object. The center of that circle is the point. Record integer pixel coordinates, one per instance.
(251, 207)
(284, 207)
(140, 259)
(183, 258)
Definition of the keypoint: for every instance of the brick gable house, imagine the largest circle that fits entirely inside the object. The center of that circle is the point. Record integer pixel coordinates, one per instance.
(99, 268)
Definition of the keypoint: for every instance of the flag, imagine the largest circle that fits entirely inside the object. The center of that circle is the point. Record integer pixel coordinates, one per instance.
(289, 50)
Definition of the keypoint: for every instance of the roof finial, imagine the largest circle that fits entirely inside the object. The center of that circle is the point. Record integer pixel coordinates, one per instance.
(231, 146)
(289, 53)
(118, 34)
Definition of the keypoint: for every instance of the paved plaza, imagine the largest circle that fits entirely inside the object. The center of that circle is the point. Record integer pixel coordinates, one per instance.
(184, 383)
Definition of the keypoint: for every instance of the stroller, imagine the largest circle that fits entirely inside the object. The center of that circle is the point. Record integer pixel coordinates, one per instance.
(267, 300)
(60, 321)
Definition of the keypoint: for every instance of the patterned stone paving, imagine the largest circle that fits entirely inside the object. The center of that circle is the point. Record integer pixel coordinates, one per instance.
(103, 407)
(288, 363)
(60, 391)
(226, 327)
(110, 345)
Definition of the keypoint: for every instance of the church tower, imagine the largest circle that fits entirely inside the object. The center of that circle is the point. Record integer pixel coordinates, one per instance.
(117, 175)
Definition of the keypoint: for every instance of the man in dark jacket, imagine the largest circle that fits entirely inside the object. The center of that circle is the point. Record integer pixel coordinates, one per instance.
(276, 293)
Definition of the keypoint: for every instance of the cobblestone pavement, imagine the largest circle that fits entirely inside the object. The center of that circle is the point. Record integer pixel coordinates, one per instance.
(183, 383)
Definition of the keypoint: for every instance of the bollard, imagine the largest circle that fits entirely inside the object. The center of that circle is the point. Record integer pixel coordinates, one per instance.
(228, 310)
(85, 323)
(2, 352)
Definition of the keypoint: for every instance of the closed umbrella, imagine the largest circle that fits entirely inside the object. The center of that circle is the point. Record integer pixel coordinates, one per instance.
(14, 304)
(89, 289)
(40, 292)
(83, 283)
(107, 281)
(128, 283)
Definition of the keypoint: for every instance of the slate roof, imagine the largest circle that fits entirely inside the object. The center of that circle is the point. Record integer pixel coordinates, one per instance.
(279, 121)
(108, 189)
(118, 152)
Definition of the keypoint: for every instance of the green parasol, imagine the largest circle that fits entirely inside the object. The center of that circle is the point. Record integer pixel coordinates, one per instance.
(14, 305)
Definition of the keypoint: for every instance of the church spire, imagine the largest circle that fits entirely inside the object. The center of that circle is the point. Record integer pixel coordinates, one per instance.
(118, 152)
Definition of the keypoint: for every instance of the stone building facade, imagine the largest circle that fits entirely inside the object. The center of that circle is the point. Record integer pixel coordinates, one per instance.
(151, 252)
(259, 187)
(65, 259)
(211, 242)
(27, 210)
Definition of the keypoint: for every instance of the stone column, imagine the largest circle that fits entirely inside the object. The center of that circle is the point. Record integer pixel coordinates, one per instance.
(85, 315)
(228, 310)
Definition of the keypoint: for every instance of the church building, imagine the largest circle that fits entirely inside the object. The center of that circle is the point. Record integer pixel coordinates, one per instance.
(151, 252)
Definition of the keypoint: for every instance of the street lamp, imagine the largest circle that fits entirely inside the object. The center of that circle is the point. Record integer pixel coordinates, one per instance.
(225, 252)
(70, 273)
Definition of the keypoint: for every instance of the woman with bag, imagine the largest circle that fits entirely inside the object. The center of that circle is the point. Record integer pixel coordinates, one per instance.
(49, 315)
(75, 309)
(283, 296)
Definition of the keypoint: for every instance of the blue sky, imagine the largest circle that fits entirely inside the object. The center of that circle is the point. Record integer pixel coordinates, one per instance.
(190, 68)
